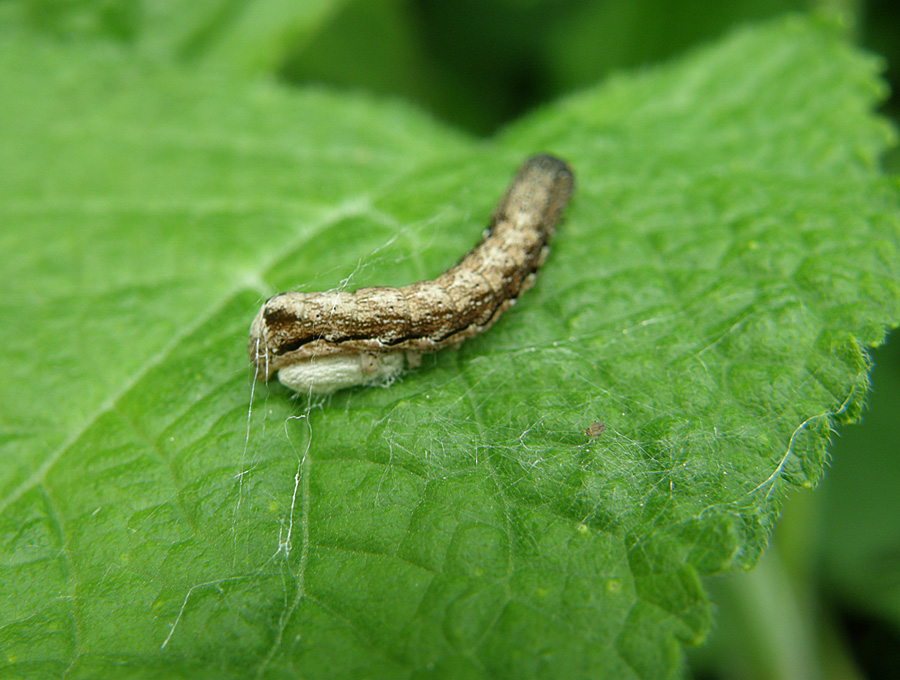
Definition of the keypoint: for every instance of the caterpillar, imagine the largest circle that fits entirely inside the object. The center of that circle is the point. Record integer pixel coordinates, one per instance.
(319, 343)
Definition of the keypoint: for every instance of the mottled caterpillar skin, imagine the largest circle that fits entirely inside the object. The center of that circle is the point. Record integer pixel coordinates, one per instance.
(361, 337)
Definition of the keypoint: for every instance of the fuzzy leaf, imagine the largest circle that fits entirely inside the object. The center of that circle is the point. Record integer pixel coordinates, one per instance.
(731, 250)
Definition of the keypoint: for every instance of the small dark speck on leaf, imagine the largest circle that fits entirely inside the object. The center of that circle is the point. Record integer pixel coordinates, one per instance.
(594, 430)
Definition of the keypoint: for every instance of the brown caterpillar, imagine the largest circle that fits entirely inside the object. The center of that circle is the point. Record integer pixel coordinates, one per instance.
(323, 342)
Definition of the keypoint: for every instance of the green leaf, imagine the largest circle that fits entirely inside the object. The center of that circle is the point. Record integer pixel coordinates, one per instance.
(731, 250)
(250, 36)
(596, 37)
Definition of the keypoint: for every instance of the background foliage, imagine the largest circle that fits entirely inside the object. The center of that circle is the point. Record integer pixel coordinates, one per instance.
(476, 66)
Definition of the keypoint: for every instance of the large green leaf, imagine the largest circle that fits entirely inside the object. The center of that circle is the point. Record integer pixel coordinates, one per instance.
(731, 249)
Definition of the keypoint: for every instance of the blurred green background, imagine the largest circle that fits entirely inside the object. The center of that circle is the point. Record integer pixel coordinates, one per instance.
(825, 600)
